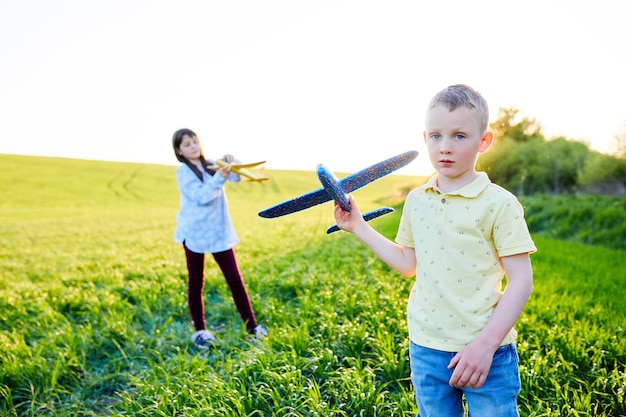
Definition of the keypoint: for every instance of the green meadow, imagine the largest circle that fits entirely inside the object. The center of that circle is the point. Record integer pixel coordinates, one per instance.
(94, 321)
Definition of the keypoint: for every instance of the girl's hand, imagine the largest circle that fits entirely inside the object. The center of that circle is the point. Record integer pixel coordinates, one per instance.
(228, 158)
(224, 171)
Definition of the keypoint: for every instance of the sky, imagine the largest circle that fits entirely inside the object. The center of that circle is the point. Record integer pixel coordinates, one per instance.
(294, 82)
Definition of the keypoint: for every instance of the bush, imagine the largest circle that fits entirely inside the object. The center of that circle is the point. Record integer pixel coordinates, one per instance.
(590, 219)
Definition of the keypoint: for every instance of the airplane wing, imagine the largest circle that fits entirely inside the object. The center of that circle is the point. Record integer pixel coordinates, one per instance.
(376, 171)
(367, 217)
(251, 165)
(296, 204)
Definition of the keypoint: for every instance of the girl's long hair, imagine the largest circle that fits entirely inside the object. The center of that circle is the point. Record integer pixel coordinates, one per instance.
(177, 139)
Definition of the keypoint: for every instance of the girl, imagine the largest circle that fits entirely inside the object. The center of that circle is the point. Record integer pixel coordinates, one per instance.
(204, 226)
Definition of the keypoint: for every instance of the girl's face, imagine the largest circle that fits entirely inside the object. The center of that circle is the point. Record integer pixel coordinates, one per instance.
(190, 149)
(454, 139)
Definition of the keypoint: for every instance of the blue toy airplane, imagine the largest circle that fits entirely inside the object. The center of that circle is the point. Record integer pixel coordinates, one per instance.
(334, 189)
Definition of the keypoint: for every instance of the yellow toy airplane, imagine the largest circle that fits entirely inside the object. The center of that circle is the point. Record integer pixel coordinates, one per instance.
(242, 170)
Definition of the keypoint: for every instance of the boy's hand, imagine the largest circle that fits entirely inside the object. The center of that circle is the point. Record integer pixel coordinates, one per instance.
(471, 366)
(348, 220)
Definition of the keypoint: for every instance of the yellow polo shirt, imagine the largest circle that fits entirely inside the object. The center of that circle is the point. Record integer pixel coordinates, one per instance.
(459, 238)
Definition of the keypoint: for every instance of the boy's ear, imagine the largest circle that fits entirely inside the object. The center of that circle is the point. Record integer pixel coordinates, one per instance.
(485, 141)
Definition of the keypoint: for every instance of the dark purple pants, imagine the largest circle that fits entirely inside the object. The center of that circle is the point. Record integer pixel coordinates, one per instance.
(195, 287)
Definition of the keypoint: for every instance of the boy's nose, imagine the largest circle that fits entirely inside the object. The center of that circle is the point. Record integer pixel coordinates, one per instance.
(446, 146)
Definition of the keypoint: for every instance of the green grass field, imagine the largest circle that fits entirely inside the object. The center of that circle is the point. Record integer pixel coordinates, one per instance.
(94, 322)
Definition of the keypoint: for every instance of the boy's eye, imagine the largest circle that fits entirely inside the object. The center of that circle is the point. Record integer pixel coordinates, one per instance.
(459, 136)
(435, 136)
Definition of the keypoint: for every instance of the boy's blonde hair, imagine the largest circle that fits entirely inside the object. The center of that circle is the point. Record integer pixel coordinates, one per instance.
(459, 95)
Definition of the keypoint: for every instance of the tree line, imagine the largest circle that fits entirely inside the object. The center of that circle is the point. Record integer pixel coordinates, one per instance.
(522, 160)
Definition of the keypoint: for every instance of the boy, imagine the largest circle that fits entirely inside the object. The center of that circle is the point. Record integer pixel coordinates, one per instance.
(459, 235)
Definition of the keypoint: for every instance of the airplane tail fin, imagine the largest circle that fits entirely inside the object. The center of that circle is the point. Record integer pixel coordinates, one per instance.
(370, 215)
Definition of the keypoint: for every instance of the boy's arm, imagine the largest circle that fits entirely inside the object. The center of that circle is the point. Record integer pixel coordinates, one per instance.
(400, 258)
(471, 365)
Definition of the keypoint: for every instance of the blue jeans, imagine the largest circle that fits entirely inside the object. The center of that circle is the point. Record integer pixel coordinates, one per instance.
(435, 397)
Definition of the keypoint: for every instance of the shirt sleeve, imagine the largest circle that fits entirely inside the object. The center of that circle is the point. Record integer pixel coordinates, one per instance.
(510, 234)
(200, 192)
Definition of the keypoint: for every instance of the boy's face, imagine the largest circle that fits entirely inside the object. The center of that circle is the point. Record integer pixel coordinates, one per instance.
(454, 139)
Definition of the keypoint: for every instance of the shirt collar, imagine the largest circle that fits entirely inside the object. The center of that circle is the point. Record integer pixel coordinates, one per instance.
(469, 191)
